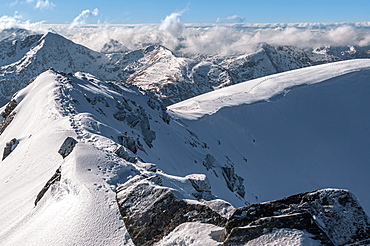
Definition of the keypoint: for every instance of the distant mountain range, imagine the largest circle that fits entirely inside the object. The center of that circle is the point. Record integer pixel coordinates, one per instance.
(172, 78)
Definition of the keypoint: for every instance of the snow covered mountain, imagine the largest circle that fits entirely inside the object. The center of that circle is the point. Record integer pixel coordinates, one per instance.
(170, 77)
(91, 162)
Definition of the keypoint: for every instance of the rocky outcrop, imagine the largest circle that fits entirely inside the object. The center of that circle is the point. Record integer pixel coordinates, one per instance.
(297, 221)
(122, 152)
(234, 182)
(159, 106)
(151, 211)
(8, 115)
(209, 161)
(129, 142)
(332, 216)
(201, 185)
(67, 147)
(9, 147)
(55, 178)
(135, 118)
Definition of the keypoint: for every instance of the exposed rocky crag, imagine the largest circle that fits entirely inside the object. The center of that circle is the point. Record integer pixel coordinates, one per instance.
(9, 147)
(330, 216)
(8, 115)
(151, 211)
(55, 178)
(333, 216)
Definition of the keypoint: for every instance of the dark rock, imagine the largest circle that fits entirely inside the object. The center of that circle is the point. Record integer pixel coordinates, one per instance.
(96, 100)
(298, 221)
(67, 147)
(201, 185)
(234, 182)
(208, 162)
(9, 147)
(9, 108)
(333, 216)
(129, 142)
(6, 121)
(137, 119)
(8, 115)
(151, 211)
(122, 152)
(159, 106)
(56, 177)
(120, 116)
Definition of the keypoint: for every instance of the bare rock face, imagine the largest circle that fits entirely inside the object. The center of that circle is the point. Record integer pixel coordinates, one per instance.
(129, 143)
(137, 119)
(332, 216)
(298, 221)
(234, 182)
(9, 147)
(151, 211)
(8, 115)
(67, 147)
(201, 185)
(209, 161)
(122, 152)
(55, 178)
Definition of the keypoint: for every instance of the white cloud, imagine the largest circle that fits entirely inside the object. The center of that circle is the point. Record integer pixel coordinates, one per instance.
(16, 21)
(231, 19)
(44, 4)
(220, 38)
(82, 17)
(172, 24)
(224, 38)
(41, 4)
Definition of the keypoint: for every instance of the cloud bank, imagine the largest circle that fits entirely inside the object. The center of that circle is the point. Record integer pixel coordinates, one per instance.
(225, 39)
(208, 39)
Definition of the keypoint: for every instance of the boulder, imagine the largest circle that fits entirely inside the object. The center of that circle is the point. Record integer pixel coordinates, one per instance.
(151, 211)
(9, 147)
(67, 147)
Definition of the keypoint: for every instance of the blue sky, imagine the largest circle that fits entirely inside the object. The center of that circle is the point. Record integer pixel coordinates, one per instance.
(199, 11)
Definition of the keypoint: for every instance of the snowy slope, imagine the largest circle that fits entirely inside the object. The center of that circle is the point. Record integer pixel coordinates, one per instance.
(291, 132)
(81, 210)
(263, 89)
